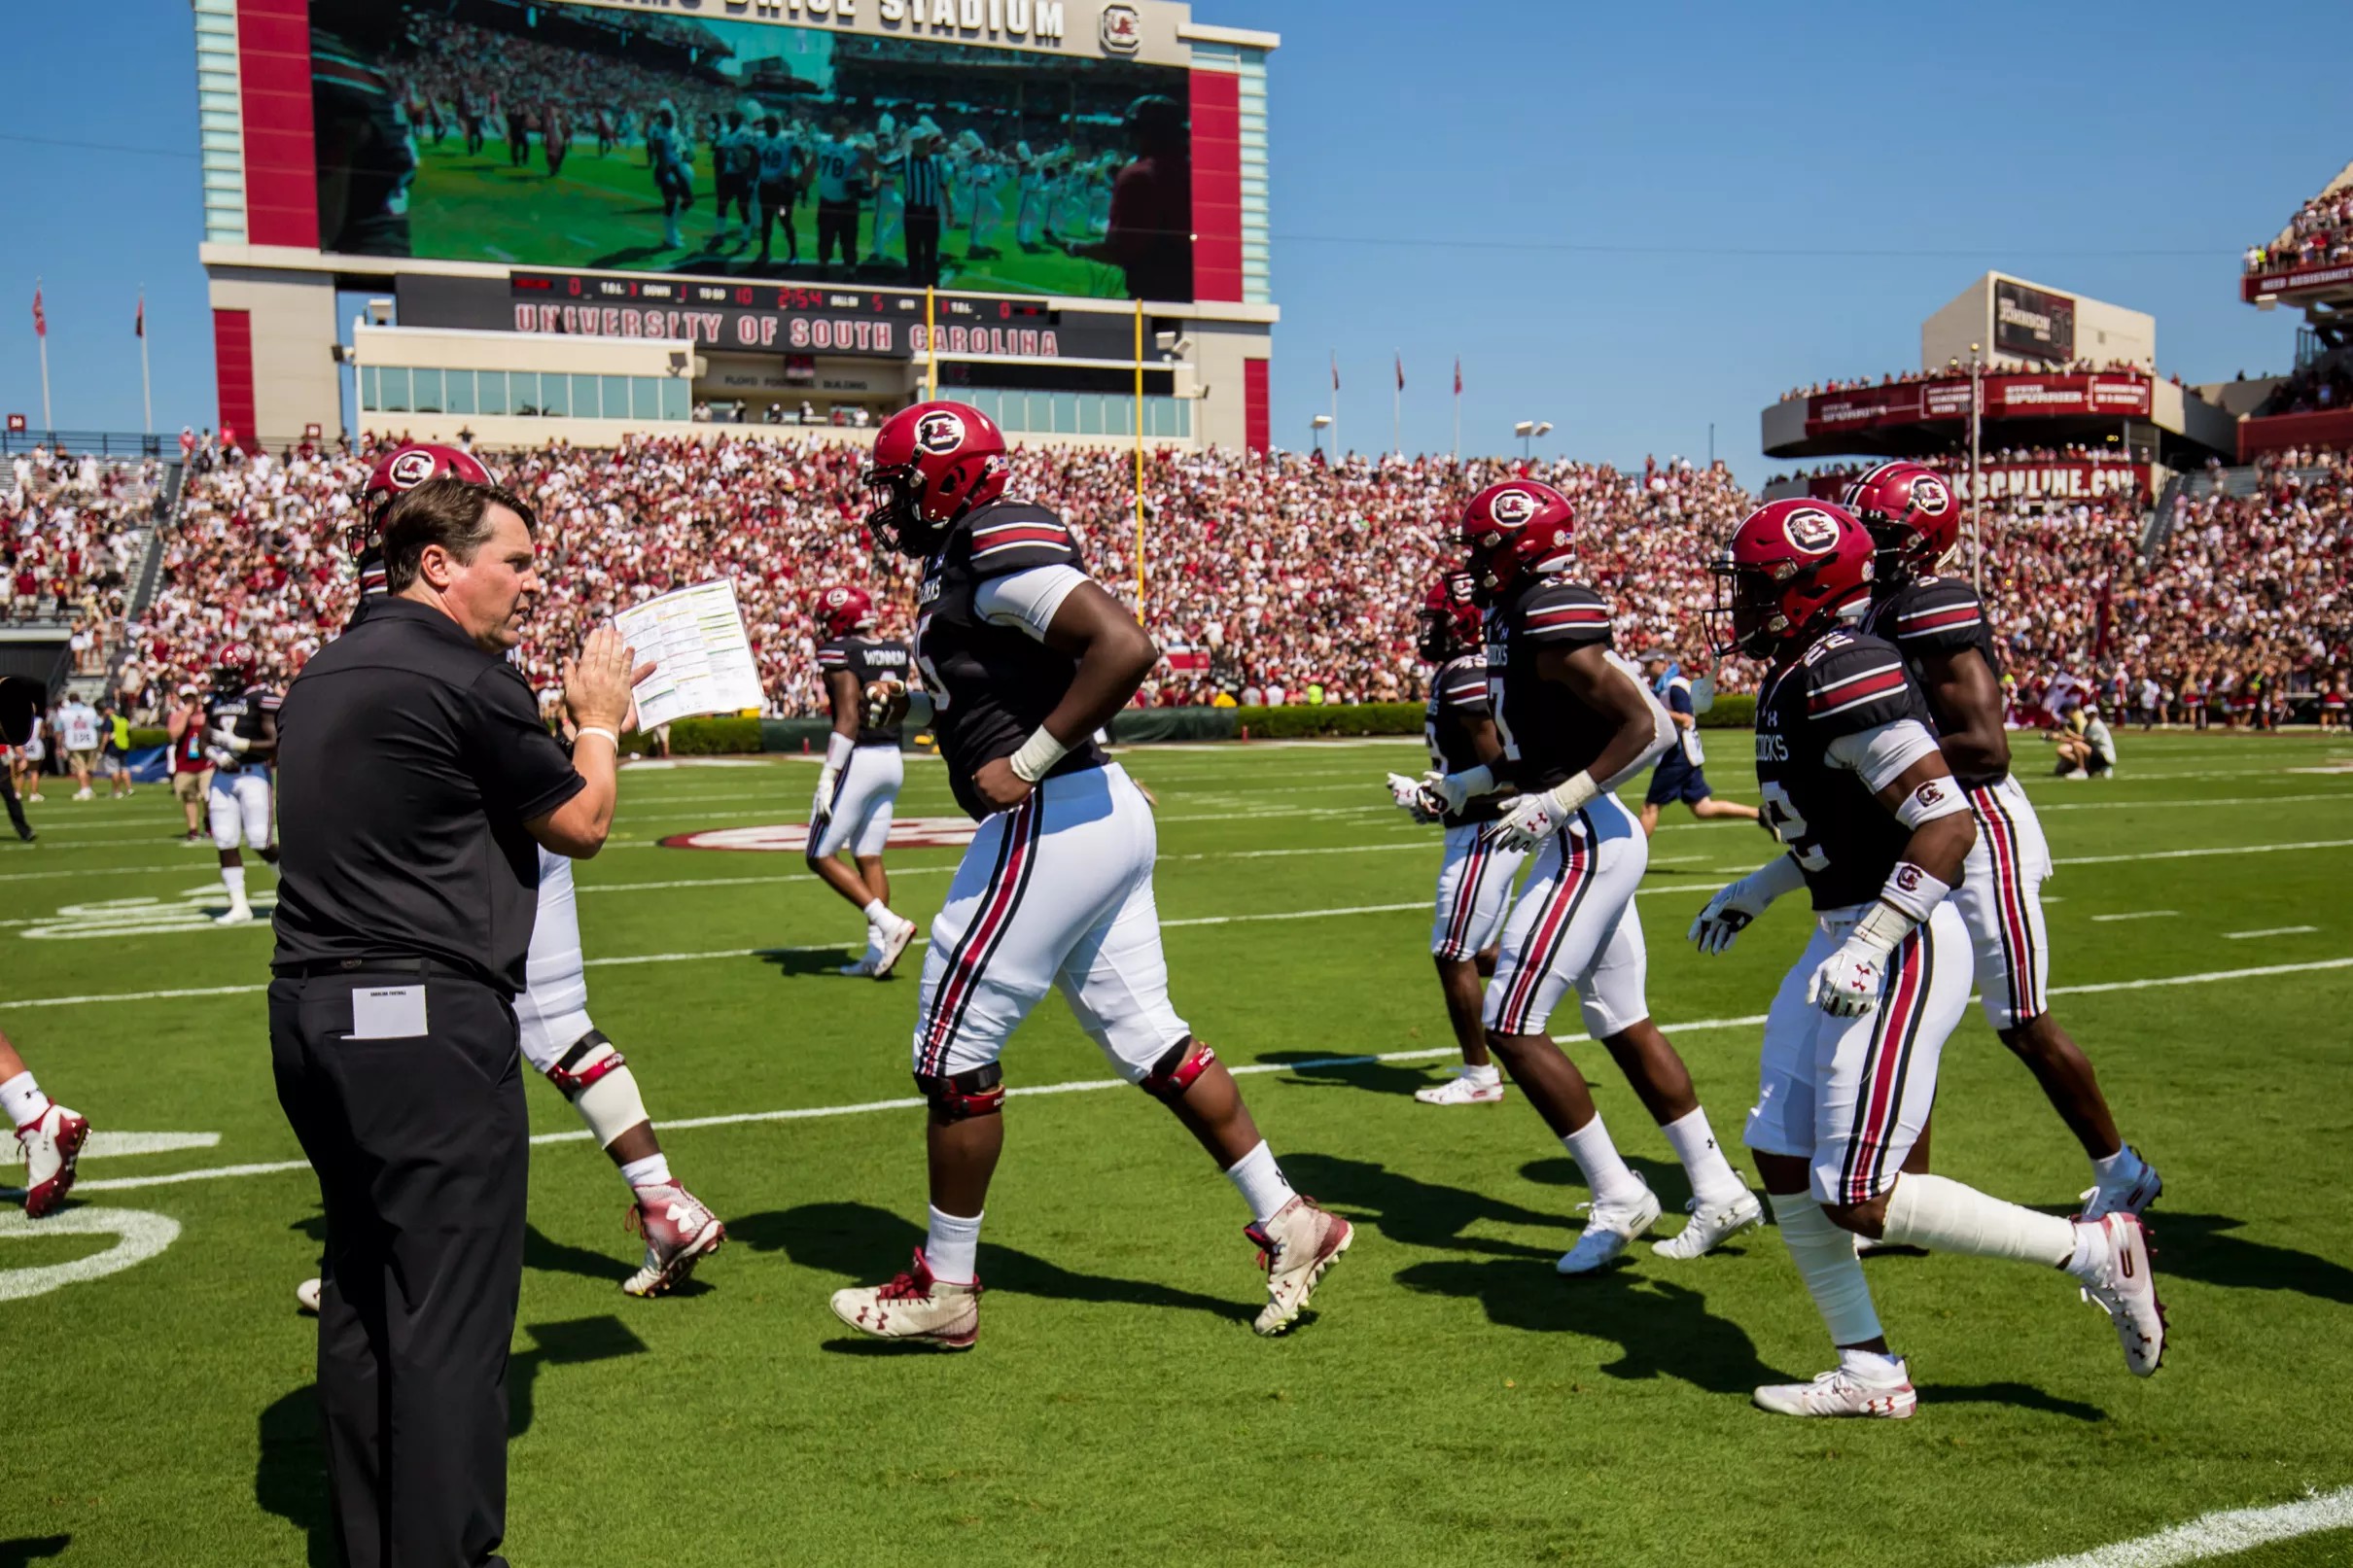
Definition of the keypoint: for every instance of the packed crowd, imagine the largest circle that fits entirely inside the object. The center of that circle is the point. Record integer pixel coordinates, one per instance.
(69, 545)
(461, 70)
(1905, 378)
(2323, 384)
(2321, 232)
(1281, 575)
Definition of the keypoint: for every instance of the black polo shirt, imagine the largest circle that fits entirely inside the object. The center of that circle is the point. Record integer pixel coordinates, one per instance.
(409, 760)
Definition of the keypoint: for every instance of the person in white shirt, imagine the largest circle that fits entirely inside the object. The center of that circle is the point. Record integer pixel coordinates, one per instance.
(78, 733)
(2087, 750)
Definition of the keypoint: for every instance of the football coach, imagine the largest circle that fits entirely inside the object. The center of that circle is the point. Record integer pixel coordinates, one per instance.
(415, 779)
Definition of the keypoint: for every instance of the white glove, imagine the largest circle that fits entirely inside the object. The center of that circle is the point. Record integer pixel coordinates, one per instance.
(1736, 904)
(1533, 818)
(1849, 981)
(227, 739)
(883, 703)
(1447, 791)
(1407, 794)
(826, 778)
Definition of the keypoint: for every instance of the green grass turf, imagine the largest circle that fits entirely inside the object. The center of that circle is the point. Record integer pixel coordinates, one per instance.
(602, 211)
(1450, 1399)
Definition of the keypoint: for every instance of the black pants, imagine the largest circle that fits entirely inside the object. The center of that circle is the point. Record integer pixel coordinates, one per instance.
(776, 206)
(15, 811)
(836, 226)
(421, 1147)
(923, 246)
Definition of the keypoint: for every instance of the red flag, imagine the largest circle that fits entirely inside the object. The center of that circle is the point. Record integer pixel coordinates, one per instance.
(1458, 377)
(138, 328)
(1400, 373)
(40, 316)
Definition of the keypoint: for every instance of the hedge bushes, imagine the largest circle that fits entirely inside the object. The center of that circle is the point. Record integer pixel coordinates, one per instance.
(1294, 722)
(1734, 709)
(703, 737)
(142, 737)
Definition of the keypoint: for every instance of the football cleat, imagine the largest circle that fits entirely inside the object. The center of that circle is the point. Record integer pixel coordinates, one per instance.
(2125, 1287)
(1709, 1224)
(914, 1306)
(1610, 1230)
(306, 1297)
(239, 913)
(680, 1231)
(1295, 1247)
(2130, 1197)
(51, 1142)
(893, 940)
(863, 967)
(1469, 1086)
(1841, 1392)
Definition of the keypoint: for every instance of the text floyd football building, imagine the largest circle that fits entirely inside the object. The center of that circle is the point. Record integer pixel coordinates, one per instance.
(533, 220)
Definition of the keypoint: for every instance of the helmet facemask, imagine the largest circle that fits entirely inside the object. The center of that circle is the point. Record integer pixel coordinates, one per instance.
(895, 519)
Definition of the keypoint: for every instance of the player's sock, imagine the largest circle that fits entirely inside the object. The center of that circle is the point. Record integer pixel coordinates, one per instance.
(952, 1249)
(1825, 1258)
(1871, 1365)
(1942, 1215)
(1713, 1178)
(1606, 1173)
(234, 879)
(877, 914)
(2119, 1170)
(1486, 1074)
(654, 1170)
(1261, 1183)
(21, 1100)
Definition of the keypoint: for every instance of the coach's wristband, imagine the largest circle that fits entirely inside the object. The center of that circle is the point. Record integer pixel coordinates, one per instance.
(838, 747)
(586, 730)
(1037, 755)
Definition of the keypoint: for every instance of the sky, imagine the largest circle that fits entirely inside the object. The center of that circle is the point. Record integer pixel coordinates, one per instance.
(1635, 221)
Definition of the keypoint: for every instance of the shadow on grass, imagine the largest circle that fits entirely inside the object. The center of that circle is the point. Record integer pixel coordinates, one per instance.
(2017, 1396)
(290, 1477)
(26, 1549)
(2195, 1246)
(1321, 1069)
(860, 1242)
(1407, 1209)
(789, 961)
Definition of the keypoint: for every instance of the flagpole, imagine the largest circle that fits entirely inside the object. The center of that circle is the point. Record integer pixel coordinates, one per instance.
(47, 422)
(1335, 404)
(146, 387)
(1397, 410)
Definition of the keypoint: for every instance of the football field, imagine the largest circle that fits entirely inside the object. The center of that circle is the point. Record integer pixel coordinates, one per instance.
(1449, 1398)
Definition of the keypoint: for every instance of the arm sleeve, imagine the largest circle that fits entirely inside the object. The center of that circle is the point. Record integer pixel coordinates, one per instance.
(1027, 598)
(521, 770)
(1876, 755)
(1565, 614)
(1939, 614)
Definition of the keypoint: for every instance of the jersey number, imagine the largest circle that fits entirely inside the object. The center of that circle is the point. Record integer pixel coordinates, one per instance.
(1781, 815)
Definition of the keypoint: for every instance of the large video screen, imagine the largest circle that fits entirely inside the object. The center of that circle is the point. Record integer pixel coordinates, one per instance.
(554, 135)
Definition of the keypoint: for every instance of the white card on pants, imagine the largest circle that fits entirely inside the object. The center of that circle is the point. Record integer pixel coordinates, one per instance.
(387, 1012)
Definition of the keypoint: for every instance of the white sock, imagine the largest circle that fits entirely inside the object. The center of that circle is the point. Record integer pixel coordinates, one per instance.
(952, 1248)
(1606, 1173)
(878, 913)
(234, 879)
(1870, 1366)
(2092, 1250)
(1486, 1074)
(654, 1170)
(2119, 1170)
(21, 1100)
(1834, 1275)
(1942, 1215)
(1713, 1178)
(1261, 1183)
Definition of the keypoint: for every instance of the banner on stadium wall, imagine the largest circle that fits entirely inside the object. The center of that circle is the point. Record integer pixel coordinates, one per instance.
(2007, 397)
(2296, 279)
(2033, 324)
(2021, 481)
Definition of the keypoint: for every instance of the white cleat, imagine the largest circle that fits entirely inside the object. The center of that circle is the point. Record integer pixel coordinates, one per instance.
(862, 968)
(306, 1297)
(2128, 1197)
(52, 1144)
(1469, 1086)
(914, 1306)
(894, 941)
(1842, 1393)
(680, 1231)
(2123, 1285)
(1295, 1247)
(1709, 1224)
(1610, 1230)
(239, 913)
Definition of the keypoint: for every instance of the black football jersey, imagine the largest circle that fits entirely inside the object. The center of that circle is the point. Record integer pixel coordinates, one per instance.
(1548, 735)
(1930, 616)
(992, 685)
(1842, 837)
(870, 658)
(1457, 694)
(239, 715)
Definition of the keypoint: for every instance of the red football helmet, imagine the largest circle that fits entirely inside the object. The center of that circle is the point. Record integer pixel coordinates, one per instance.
(932, 462)
(1449, 625)
(1911, 511)
(233, 667)
(1792, 565)
(842, 610)
(1512, 529)
(406, 468)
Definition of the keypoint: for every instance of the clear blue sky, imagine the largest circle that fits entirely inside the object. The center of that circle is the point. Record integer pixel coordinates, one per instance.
(1629, 219)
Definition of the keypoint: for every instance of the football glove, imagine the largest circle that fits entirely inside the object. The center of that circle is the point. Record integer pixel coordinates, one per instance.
(1407, 794)
(1447, 791)
(1529, 821)
(883, 703)
(826, 778)
(1736, 904)
(1848, 982)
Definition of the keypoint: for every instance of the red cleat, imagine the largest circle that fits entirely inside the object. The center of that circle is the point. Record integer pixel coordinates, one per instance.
(51, 1142)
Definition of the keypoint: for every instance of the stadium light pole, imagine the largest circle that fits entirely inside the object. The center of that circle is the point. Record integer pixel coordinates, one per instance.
(1976, 530)
(1529, 432)
(1316, 427)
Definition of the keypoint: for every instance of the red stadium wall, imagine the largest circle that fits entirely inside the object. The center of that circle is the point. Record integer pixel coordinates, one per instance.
(281, 178)
(1216, 186)
(1256, 426)
(233, 371)
(2330, 428)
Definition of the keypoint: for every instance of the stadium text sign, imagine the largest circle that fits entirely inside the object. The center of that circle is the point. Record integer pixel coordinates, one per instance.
(2021, 481)
(2295, 280)
(2007, 397)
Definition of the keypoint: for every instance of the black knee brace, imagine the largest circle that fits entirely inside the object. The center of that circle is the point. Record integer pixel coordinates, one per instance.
(1178, 1065)
(960, 1096)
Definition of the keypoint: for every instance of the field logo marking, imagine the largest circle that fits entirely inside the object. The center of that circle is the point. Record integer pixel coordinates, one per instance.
(907, 833)
(2222, 1534)
(191, 910)
(140, 1236)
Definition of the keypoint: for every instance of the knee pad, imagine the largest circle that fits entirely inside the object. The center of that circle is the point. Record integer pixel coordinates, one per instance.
(596, 1078)
(1174, 1073)
(962, 1095)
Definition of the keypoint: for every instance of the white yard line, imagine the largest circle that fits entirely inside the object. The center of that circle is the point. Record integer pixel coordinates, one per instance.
(2269, 930)
(2141, 914)
(2200, 854)
(1089, 1085)
(2222, 1534)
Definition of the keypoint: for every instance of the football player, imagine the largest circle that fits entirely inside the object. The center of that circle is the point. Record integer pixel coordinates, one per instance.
(559, 1038)
(1940, 626)
(240, 740)
(1575, 722)
(1476, 874)
(1023, 657)
(860, 783)
(1876, 830)
(50, 1136)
